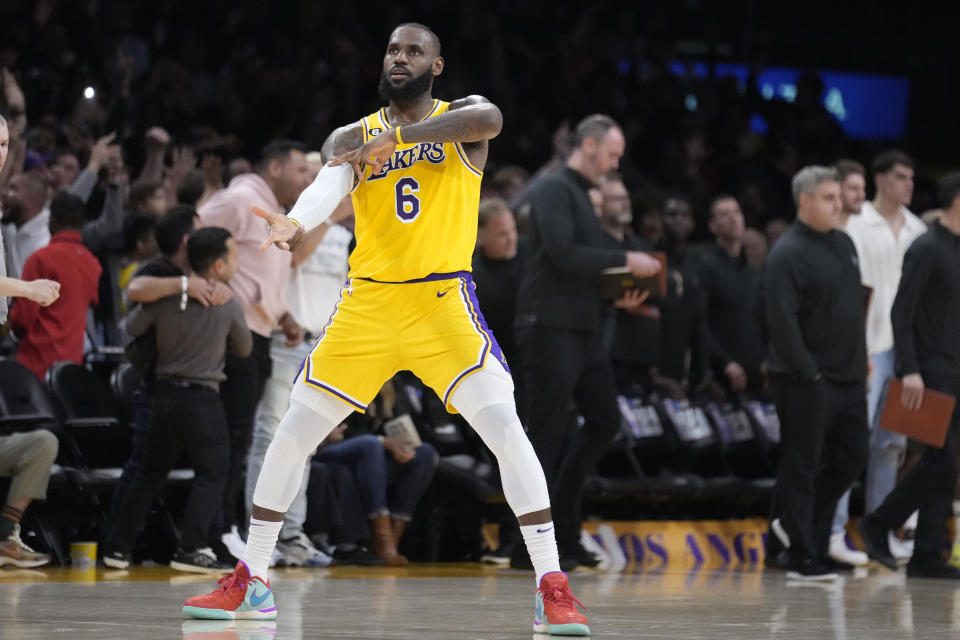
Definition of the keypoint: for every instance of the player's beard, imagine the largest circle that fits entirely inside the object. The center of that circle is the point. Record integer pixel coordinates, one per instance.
(406, 92)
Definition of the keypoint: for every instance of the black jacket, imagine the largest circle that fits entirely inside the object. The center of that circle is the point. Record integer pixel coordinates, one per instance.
(926, 311)
(568, 250)
(815, 306)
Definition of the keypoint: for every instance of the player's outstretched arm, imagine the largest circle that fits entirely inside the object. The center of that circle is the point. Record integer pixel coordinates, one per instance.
(317, 201)
(472, 121)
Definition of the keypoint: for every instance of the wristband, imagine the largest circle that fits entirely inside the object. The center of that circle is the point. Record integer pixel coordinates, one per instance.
(397, 133)
(184, 281)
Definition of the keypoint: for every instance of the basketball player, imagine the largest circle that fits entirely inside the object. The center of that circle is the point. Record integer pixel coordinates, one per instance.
(409, 303)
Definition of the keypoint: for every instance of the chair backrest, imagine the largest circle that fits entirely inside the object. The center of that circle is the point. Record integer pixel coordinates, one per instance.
(24, 401)
(81, 394)
(125, 382)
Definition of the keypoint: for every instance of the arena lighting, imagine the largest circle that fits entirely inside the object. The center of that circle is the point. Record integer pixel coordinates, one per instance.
(852, 98)
(89, 93)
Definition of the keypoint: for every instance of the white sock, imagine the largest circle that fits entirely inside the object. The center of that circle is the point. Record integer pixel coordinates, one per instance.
(542, 547)
(261, 540)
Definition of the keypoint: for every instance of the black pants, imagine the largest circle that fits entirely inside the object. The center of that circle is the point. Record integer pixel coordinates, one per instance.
(334, 505)
(928, 486)
(141, 423)
(561, 366)
(183, 418)
(824, 446)
(241, 393)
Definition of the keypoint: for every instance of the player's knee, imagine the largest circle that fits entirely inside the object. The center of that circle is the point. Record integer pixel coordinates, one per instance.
(490, 386)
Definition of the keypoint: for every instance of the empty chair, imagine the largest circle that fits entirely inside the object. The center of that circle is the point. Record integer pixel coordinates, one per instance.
(24, 402)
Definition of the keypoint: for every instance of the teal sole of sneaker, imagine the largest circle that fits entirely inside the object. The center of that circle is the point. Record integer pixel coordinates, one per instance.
(207, 614)
(562, 629)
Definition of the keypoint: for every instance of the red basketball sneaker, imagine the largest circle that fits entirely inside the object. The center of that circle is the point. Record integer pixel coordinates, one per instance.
(238, 597)
(556, 609)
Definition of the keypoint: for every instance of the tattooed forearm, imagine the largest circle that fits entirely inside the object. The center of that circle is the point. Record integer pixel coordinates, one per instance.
(470, 123)
(342, 140)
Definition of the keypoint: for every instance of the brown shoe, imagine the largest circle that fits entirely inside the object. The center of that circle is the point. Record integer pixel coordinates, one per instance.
(398, 527)
(14, 552)
(382, 542)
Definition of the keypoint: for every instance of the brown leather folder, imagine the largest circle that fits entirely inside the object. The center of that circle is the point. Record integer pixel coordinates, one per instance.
(928, 424)
(616, 281)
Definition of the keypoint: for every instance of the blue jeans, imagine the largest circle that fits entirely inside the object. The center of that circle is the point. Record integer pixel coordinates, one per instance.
(377, 473)
(886, 447)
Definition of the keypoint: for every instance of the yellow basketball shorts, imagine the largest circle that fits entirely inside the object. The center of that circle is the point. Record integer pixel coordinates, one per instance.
(432, 327)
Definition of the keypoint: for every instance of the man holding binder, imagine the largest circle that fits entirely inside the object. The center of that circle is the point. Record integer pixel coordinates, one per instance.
(558, 323)
(926, 327)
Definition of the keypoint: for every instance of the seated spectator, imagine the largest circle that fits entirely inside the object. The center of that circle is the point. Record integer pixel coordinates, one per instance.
(382, 466)
(26, 220)
(26, 458)
(50, 334)
(336, 522)
(186, 414)
(730, 285)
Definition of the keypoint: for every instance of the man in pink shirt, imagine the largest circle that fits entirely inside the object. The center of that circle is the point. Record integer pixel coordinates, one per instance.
(259, 286)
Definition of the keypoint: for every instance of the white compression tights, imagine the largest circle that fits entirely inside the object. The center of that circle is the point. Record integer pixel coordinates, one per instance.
(485, 400)
(300, 431)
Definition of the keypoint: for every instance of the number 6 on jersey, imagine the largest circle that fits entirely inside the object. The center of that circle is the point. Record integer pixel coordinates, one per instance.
(408, 204)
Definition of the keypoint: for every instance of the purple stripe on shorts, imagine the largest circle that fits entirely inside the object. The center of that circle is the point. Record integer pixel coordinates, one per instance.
(494, 346)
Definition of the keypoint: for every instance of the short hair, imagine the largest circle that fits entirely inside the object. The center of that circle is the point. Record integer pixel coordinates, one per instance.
(809, 178)
(491, 208)
(846, 167)
(191, 189)
(718, 199)
(177, 222)
(888, 159)
(434, 38)
(67, 211)
(205, 246)
(948, 190)
(137, 227)
(140, 192)
(278, 150)
(594, 126)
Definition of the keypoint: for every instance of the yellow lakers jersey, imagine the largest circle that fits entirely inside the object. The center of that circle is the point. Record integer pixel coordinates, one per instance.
(418, 216)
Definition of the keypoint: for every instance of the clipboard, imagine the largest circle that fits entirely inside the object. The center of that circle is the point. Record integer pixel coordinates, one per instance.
(928, 424)
(616, 281)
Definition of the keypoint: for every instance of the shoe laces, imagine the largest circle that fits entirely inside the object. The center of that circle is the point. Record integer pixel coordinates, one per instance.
(17, 540)
(207, 552)
(230, 582)
(562, 597)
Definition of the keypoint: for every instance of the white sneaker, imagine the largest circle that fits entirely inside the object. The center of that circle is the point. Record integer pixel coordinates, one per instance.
(298, 551)
(234, 543)
(901, 550)
(780, 532)
(840, 552)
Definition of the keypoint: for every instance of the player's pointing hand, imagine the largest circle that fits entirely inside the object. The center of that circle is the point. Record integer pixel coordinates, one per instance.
(283, 231)
(374, 153)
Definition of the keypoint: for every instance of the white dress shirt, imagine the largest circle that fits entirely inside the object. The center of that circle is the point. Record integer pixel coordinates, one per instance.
(881, 260)
(19, 244)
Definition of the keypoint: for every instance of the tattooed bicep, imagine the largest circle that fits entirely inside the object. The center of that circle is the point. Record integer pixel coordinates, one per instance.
(342, 140)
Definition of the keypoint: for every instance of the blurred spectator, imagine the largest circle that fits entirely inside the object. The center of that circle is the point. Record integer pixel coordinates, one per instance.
(237, 167)
(335, 515)
(813, 302)
(508, 182)
(882, 233)
(379, 463)
(148, 197)
(319, 273)
(64, 170)
(684, 335)
(730, 285)
(12, 130)
(754, 247)
(930, 216)
(559, 321)
(139, 245)
(926, 326)
(192, 341)
(27, 458)
(54, 333)
(774, 229)
(281, 175)
(26, 220)
(191, 189)
(853, 188)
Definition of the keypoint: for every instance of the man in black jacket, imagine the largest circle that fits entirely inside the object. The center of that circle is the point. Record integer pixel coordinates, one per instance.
(814, 311)
(926, 329)
(558, 322)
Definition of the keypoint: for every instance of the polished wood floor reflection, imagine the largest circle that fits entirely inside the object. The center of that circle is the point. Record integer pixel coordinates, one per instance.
(472, 602)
